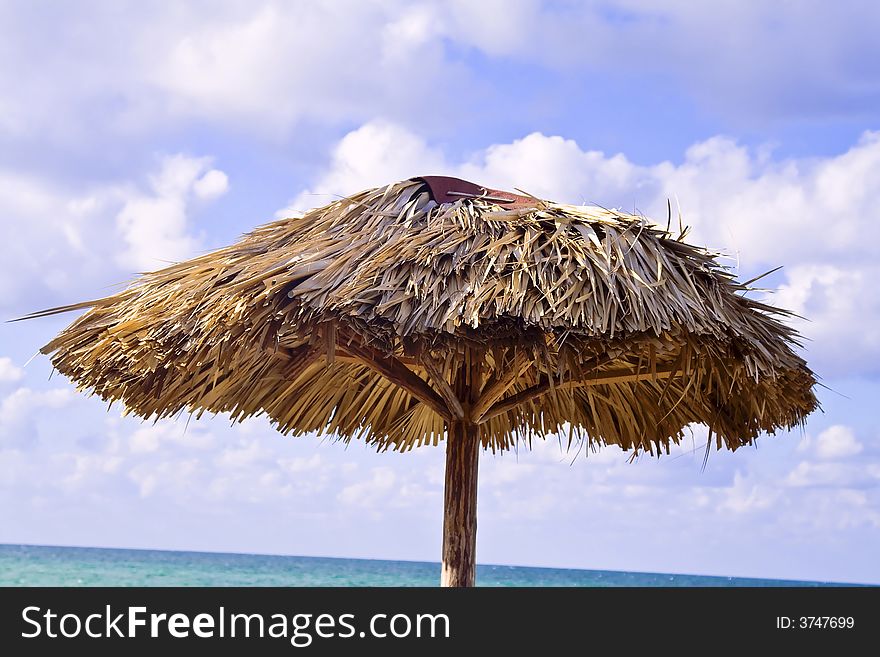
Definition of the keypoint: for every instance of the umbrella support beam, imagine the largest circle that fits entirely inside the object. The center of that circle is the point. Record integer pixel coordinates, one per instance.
(460, 505)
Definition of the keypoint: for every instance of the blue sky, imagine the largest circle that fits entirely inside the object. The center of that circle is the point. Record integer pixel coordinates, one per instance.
(132, 134)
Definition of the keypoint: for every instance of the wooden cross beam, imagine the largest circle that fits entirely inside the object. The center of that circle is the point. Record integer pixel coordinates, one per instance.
(446, 391)
(601, 378)
(498, 385)
(400, 375)
(495, 389)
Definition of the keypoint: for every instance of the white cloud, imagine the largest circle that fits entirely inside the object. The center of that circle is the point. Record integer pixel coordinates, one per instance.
(264, 66)
(84, 468)
(376, 153)
(213, 184)
(497, 27)
(837, 442)
(415, 27)
(17, 406)
(242, 455)
(145, 440)
(271, 64)
(742, 201)
(834, 459)
(300, 487)
(553, 167)
(765, 492)
(369, 493)
(741, 58)
(296, 466)
(23, 408)
(151, 438)
(748, 496)
(840, 304)
(9, 373)
(175, 478)
(62, 245)
(504, 471)
(155, 225)
(154, 230)
(834, 475)
(42, 232)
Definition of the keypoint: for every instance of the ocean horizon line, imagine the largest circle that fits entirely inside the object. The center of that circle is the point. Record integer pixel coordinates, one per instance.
(635, 575)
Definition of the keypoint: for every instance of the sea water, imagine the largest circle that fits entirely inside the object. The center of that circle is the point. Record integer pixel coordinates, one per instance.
(27, 565)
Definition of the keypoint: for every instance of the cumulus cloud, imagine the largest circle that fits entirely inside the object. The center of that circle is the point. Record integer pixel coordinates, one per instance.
(371, 492)
(834, 443)
(154, 225)
(86, 468)
(21, 410)
(62, 244)
(175, 478)
(263, 67)
(24, 401)
(151, 438)
(839, 308)
(838, 442)
(213, 184)
(44, 229)
(272, 64)
(833, 475)
(746, 496)
(376, 153)
(837, 459)
(249, 477)
(803, 507)
(9, 373)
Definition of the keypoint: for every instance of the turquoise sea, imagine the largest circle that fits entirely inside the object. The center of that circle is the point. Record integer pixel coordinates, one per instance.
(28, 565)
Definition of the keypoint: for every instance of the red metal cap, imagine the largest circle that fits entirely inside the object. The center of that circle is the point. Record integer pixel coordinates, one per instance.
(446, 189)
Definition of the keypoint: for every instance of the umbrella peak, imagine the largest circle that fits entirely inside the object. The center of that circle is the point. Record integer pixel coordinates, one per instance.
(447, 189)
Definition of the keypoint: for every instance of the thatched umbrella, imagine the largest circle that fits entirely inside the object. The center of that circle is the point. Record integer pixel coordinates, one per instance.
(435, 309)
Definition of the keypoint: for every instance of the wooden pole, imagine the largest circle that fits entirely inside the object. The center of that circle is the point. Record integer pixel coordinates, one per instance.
(460, 505)
(460, 491)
